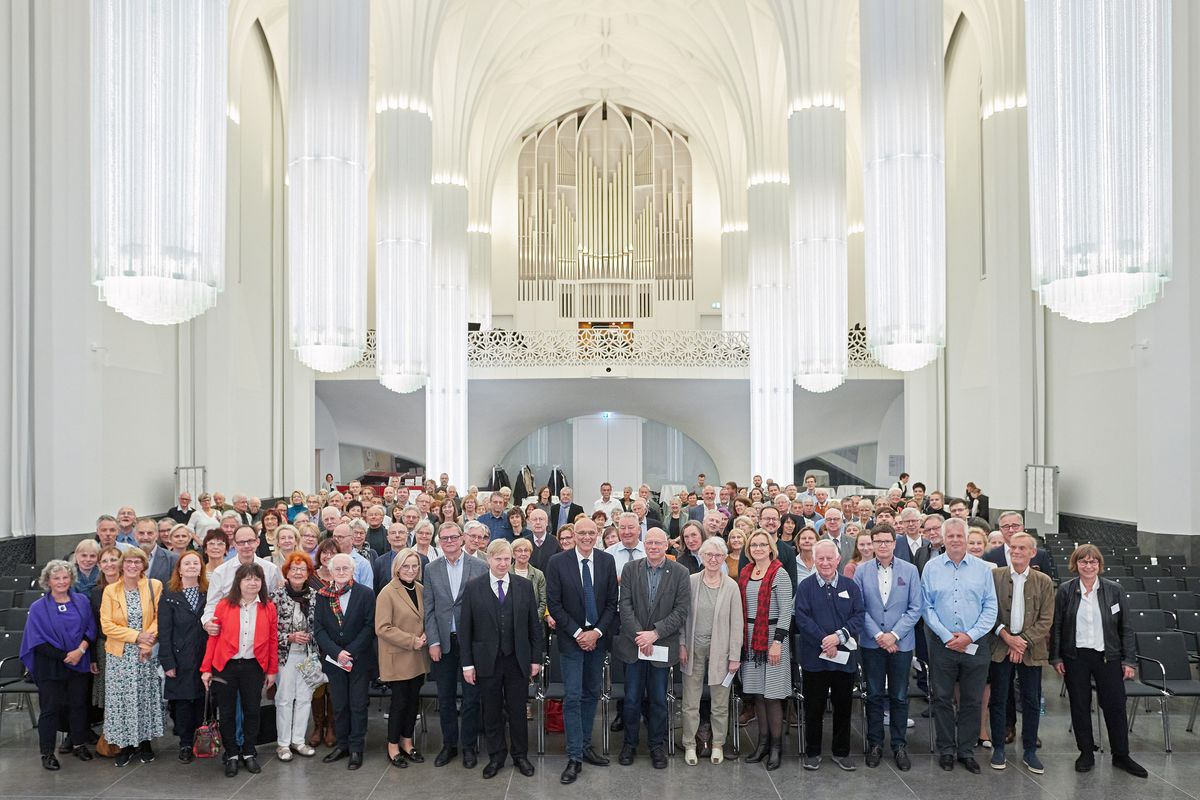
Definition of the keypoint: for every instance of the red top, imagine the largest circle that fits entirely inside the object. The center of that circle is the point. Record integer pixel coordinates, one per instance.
(224, 645)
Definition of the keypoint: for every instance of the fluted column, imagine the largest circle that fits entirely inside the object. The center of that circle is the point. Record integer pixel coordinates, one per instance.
(446, 390)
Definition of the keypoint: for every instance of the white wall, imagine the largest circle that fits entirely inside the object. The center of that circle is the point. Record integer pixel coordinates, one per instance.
(848, 416)
(890, 442)
(326, 440)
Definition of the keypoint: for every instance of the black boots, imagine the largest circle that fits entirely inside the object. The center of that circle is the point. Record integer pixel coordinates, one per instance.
(765, 744)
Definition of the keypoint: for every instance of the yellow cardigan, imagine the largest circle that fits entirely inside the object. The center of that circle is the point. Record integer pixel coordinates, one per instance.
(114, 615)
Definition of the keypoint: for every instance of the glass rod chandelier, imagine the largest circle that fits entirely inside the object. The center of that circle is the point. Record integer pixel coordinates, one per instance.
(904, 188)
(158, 141)
(328, 45)
(1099, 117)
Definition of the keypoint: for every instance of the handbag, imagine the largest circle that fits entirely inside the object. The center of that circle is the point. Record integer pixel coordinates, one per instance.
(309, 670)
(106, 749)
(207, 741)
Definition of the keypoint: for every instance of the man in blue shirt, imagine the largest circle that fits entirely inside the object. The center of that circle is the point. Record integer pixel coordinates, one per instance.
(497, 521)
(960, 611)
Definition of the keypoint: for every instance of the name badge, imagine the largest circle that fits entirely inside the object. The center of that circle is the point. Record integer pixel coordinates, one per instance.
(844, 595)
(1116, 608)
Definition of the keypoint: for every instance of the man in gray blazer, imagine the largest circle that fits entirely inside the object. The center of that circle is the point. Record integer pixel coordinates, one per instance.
(654, 604)
(161, 560)
(833, 531)
(445, 579)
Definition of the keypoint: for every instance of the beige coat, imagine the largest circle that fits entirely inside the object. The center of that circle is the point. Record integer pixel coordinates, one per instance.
(728, 629)
(398, 624)
(1039, 615)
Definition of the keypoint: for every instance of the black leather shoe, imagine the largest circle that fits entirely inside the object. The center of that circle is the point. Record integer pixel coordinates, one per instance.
(414, 756)
(874, 756)
(469, 758)
(444, 757)
(946, 762)
(1085, 762)
(775, 756)
(491, 769)
(355, 761)
(970, 763)
(903, 762)
(627, 754)
(231, 767)
(186, 755)
(590, 756)
(398, 761)
(523, 766)
(252, 764)
(50, 762)
(145, 753)
(570, 773)
(1129, 765)
(82, 752)
(67, 745)
(336, 754)
(658, 758)
(617, 725)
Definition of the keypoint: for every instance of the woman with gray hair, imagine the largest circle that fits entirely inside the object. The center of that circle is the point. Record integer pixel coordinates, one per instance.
(55, 649)
(710, 652)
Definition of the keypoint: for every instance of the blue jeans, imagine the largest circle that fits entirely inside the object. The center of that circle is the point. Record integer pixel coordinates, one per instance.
(887, 687)
(1029, 685)
(581, 674)
(448, 675)
(642, 679)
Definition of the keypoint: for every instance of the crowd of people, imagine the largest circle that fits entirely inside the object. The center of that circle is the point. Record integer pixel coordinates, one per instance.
(760, 590)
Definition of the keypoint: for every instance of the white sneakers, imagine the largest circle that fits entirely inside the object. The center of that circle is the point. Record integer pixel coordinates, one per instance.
(718, 755)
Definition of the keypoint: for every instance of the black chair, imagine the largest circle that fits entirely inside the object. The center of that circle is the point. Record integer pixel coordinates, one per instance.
(1163, 664)
(17, 582)
(1133, 559)
(1173, 560)
(25, 599)
(551, 687)
(1187, 621)
(12, 673)
(1157, 585)
(919, 667)
(1192, 584)
(1126, 582)
(1146, 570)
(1140, 600)
(1118, 571)
(1150, 620)
(1175, 600)
(13, 619)
(613, 693)
(1184, 571)
(6, 598)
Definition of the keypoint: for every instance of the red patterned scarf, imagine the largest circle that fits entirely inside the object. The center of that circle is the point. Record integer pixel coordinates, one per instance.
(333, 594)
(760, 639)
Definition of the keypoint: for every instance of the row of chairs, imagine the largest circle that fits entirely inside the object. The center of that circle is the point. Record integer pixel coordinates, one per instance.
(18, 599)
(1169, 600)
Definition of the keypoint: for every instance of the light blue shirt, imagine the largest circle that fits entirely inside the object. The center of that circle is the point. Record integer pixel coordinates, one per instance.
(454, 573)
(959, 597)
(362, 570)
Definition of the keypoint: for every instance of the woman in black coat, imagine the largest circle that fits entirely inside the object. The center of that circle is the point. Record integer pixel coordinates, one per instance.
(181, 646)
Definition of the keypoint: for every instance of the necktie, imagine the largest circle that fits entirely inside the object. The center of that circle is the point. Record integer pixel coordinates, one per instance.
(631, 552)
(589, 595)
(500, 590)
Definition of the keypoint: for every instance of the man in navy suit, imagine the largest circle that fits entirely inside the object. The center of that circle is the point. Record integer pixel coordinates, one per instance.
(1011, 523)
(891, 590)
(581, 593)
(564, 511)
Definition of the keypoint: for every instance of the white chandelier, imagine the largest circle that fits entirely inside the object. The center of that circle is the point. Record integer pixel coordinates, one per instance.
(904, 189)
(159, 88)
(817, 164)
(327, 180)
(403, 229)
(1099, 115)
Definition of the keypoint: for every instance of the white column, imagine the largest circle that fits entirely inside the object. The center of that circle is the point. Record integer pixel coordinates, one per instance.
(772, 329)
(1166, 472)
(735, 284)
(446, 392)
(479, 284)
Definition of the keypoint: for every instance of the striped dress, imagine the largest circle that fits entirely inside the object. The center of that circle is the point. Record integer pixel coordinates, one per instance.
(772, 682)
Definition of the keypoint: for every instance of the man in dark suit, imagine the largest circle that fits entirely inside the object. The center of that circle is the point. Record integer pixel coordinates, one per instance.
(564, 510)
(545, 545)
(160, 561)
(444, 584)
(501, 652)
(1012, 523)
(709, 497)
(581, 594)
(654, 603)
(182, 512)
(346, 635)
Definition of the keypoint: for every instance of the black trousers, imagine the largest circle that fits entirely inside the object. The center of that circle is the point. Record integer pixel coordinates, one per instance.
(241, 679)
(503, 692)
(188, 714)
(70, 697)
(402, 715)
(349, 693)
(957, 729)
(1110, 691)
(818, 686)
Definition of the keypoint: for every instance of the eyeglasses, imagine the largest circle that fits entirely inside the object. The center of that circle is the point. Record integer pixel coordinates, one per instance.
(245, 541)
(1015, 526)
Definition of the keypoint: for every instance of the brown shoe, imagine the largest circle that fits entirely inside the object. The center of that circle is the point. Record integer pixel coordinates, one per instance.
(1010, 736)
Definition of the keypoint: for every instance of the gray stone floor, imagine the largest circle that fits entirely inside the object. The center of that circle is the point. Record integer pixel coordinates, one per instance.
(1174, 776)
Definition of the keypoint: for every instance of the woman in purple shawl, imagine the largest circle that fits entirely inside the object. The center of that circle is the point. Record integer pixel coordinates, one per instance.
(55, 649)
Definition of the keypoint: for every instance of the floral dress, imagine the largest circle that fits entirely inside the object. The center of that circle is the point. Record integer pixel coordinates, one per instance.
(132, 690)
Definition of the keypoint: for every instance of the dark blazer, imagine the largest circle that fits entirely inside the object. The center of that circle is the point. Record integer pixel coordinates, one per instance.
(1118, 636)
(573, 511)
(479, 628)
(164, 563)
(357, 633)
(564, 597)
(182, 640)
(982, 509)
(1040, 560)
(902, 550)
(542, 555)
(923, 554)
(666, 617)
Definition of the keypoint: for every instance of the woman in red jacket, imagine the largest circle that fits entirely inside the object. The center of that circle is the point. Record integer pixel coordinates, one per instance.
(240, 658)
